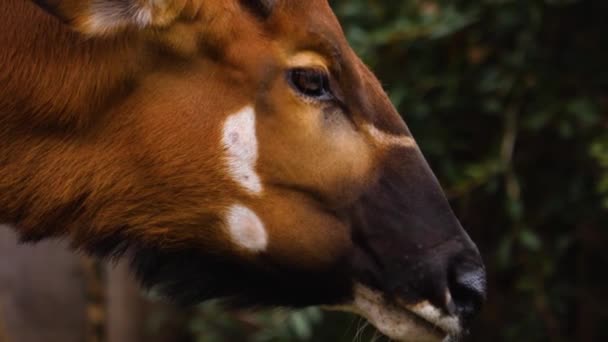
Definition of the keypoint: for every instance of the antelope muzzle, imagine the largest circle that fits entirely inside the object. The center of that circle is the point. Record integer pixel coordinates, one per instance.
(413, 260)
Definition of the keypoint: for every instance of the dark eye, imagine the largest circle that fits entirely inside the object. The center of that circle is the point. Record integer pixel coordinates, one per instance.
(312, 83)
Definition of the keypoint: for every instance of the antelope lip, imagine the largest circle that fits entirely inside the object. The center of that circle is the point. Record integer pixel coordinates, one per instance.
(434, 317)
(430, 326)
(421, 322)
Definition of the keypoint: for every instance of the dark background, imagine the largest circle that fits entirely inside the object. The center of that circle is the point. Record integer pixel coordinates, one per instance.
(508, 100)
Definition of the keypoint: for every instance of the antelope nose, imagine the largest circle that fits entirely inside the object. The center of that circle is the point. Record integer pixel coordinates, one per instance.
(467, 286)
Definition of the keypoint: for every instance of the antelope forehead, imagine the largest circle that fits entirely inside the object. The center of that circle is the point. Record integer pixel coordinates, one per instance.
(241, 147)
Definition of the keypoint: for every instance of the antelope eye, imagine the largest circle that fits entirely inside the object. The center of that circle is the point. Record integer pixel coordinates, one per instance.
(312, 83)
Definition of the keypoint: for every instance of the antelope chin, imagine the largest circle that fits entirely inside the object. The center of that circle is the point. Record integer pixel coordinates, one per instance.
(408, 323)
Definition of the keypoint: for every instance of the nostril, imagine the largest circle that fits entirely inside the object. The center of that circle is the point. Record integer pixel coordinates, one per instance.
(468, 290)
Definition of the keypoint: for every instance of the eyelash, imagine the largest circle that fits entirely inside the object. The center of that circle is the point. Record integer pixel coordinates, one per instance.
(311, 83)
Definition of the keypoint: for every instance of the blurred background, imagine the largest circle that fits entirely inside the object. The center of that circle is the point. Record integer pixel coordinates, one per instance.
(508, 99)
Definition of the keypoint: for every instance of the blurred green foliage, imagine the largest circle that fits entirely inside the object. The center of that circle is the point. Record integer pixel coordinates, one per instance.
(508, 100)
(215, 324)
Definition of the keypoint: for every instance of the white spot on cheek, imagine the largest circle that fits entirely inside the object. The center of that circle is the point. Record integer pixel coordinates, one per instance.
(384, 138)
(246, 229)
(241, 146)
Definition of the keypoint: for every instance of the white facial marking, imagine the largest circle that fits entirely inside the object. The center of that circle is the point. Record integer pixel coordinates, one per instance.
(384, 138)
(402, 324)
(143, 17)
(105, 16)
(307, 59)
(246, 229)
(239, 140)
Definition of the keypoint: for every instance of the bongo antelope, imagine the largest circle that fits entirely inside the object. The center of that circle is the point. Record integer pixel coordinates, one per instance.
(232, 149)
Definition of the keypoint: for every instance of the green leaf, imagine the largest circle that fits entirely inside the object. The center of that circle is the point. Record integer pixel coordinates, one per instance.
(530, 240)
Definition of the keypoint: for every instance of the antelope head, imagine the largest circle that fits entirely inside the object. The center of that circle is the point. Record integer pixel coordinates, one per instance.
(232, 149)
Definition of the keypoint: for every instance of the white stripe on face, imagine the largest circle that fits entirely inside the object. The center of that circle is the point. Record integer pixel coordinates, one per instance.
(239, 140)
(246, 229)
(384, 138)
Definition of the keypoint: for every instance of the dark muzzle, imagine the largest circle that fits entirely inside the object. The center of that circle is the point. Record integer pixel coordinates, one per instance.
(410, 245)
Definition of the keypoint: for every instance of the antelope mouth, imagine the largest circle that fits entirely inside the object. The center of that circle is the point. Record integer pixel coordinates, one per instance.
(421, 322)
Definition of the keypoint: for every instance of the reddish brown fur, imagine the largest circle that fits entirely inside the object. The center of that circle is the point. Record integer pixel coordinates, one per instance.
(76, 159)
(61, 150)
(111, 136)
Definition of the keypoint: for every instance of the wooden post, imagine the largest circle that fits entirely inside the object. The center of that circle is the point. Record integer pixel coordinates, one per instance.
(42, 291)
(51, 294)
(125, 306)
